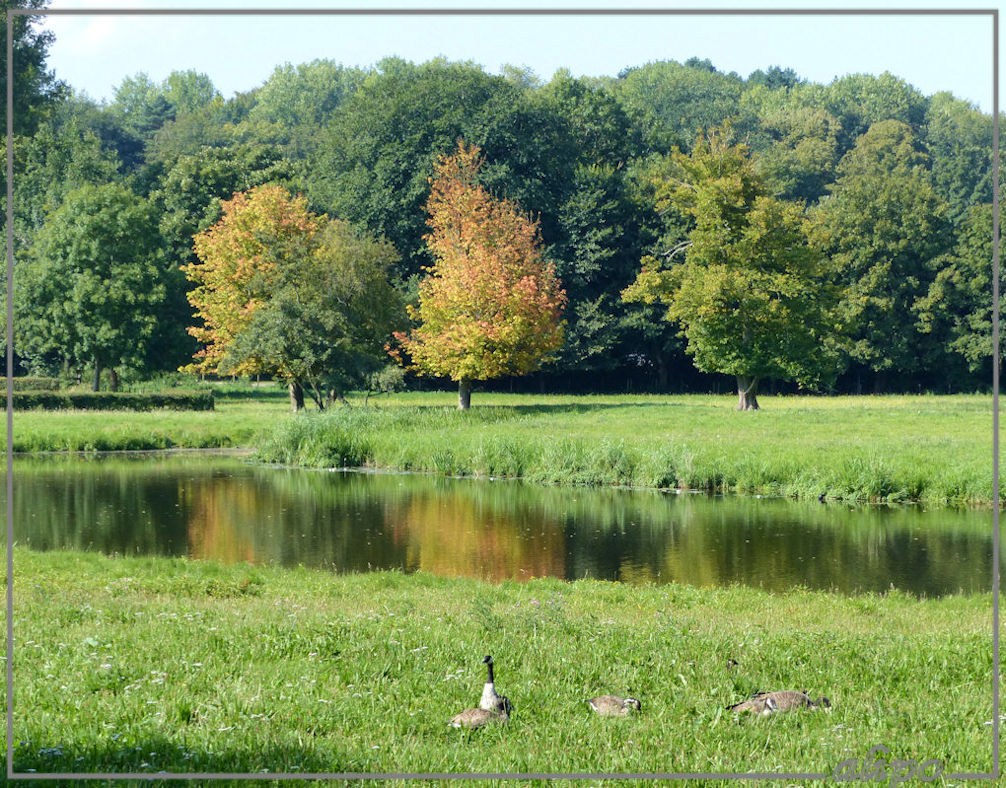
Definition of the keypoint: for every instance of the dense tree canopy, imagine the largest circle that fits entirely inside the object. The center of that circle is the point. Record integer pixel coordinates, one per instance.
(883, 226)
(35, 88)
(895, 188)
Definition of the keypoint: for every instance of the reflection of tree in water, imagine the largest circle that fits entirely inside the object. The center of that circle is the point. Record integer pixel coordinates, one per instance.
(228, 510)
(127, 507)
(457, 535)
(220, 509)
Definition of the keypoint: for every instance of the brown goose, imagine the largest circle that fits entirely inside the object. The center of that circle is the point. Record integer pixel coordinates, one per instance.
(476, 718)
(613, 705)
(783, 700)
(493, 707)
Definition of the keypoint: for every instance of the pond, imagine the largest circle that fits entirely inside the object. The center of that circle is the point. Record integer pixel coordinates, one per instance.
(228, 509)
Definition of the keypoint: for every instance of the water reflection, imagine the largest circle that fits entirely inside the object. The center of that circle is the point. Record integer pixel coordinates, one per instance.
(226, 509)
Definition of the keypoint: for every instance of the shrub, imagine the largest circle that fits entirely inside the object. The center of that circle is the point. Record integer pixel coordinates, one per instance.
(32, 384)
(50, 400)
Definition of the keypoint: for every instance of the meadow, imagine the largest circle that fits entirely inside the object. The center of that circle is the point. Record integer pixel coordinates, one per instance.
(148, 664)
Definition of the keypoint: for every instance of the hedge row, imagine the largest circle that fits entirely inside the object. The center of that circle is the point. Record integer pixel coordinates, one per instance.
(51, 400)
(31, 384)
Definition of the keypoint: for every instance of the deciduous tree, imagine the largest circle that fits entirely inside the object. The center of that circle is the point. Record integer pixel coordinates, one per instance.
(283, 291)
(260, 229)
(328, 315)
(882, 227)
(748, 294)
(94, 282)
(491, 305)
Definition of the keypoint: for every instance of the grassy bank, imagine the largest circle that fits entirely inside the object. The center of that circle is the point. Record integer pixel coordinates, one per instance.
(935, 449)
(164, 664)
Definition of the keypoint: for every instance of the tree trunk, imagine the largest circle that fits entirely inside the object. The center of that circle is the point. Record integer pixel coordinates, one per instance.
(113, 379)
(97, 376)
(464, 394)
(747, 393)
(663, 374)
(296, 396)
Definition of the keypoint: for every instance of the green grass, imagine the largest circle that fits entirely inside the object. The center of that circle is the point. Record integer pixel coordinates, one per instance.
(935, 449)
(240, 413)
(150, 664)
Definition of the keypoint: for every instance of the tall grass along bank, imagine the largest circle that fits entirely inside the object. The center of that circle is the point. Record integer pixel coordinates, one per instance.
(152, 664)
(934, 449)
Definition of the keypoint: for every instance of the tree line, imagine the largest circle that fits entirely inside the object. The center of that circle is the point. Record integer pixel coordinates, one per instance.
(847, 241)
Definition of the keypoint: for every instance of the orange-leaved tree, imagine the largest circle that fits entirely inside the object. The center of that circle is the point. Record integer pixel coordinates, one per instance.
(492, 305)
(238, 256)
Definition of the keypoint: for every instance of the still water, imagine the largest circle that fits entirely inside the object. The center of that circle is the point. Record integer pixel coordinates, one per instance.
(228, 509)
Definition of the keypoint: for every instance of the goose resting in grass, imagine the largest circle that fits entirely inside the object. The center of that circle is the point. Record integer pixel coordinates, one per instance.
(476, 718)
(493, 707)
(783, 700)
(613, 705)
(491, 700)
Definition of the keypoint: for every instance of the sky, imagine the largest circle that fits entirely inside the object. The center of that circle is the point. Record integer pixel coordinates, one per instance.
(933, 53)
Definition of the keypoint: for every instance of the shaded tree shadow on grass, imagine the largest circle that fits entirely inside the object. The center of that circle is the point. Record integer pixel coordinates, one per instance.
(172, 757)
(257, 393)
(543, 409)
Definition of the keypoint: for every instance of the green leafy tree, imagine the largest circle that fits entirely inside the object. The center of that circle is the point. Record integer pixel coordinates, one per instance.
(959, 141)
(374, 163)
(328, 316)
(306, 94)
(491, 305)
(188, 91)
(62, 155)
(142, 105)
(859, 101)
(35, 89)
(957, 308)
(882, 227)
(672, 102)
(795, 143)
(748, 294)
(93, 283)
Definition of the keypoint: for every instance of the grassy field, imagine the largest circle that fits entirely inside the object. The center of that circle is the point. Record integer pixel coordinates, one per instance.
(241, 413)
(148, 664)
(935, 449)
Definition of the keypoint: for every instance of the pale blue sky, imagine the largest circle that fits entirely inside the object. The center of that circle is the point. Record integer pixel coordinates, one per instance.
(933, 53)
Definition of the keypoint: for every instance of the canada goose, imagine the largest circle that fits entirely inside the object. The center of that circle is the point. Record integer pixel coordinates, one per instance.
(755, 705)
(614, 706)
(476, 718)
(491, 700)
(783, 700)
